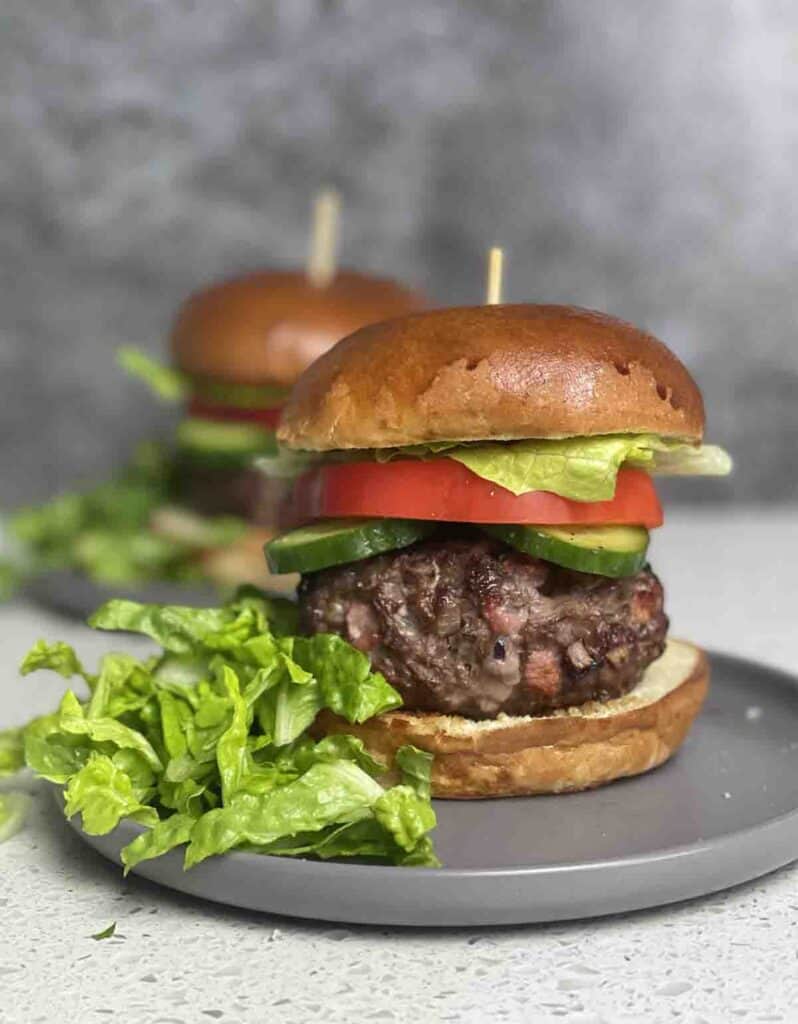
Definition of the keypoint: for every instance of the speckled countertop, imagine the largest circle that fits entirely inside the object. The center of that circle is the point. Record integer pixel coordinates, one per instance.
(176, 960)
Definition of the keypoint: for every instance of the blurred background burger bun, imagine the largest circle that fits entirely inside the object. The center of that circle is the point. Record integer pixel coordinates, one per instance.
(270, 325)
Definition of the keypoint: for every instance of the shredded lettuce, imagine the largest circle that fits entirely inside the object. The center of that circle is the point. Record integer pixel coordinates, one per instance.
(112, 533)
(206, 744)
(166, 383)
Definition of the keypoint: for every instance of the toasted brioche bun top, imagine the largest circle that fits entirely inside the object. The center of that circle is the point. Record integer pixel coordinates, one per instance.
(269, 326)
(491, 372)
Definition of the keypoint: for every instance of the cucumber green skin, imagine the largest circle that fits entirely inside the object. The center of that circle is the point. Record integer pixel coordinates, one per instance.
(241, 396)
(337, 541)
(222, 452)
(537, 542)
(218, 460)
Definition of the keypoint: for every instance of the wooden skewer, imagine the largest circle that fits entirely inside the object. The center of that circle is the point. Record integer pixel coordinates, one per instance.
(322, 261)
(493, 285)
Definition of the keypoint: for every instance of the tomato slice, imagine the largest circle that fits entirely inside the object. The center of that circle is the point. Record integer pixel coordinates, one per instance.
(446, 490)
(227, 413)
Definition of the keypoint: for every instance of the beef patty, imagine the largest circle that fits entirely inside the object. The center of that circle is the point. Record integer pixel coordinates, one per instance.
(473, 627)
(234, 491)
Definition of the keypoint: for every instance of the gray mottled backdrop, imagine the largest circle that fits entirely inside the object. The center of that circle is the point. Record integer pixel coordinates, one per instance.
(638, 156)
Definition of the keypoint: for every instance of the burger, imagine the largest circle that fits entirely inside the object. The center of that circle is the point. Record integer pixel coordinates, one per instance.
(192, 511)
(475, 517)
(238, 346)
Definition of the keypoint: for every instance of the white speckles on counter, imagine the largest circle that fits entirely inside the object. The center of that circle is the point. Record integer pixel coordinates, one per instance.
(175, 960)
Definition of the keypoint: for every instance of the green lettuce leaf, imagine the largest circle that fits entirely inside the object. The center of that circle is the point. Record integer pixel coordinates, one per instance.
(395, 830)
(275, 615)
(179, 673)
(47, 528)
(584, 469)
(12, 752)
(406, 815)
(123, 531)
(54, 755)
(324, 795)
(364, 839)
(413, 451)
(164, 382)
(580, 468)
(177, 719)
(288, 709)
(123, 685)
(673, 459)
(57, 657)
(340, 747)
(13, 812)
(421, 856)
(103, 794)
(348, 686)
(179, 629)
(160, 839)
(415, 768)
(104, 531)
(115, 558)
(137, 768)
(232, 755)
(73, 721)
(12, 576)
(189, 796)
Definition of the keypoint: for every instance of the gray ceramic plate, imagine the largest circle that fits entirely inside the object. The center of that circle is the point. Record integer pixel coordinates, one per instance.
(724, 811)
(77, 596)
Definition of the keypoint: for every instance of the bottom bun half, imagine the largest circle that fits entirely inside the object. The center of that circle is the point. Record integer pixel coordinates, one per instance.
(569, 750)
(227, 565)
(243, 561)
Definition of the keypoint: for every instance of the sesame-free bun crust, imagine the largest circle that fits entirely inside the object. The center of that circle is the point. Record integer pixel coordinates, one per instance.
(491, 372)
(568, 750)
(269, 326)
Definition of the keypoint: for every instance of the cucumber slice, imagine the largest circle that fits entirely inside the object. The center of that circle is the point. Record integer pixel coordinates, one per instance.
(214, 436)
(223, 444)
(603, 550)
(241, 396)
(337, 541)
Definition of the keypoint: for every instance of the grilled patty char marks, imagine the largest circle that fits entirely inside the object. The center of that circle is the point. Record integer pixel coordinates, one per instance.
(473, 627)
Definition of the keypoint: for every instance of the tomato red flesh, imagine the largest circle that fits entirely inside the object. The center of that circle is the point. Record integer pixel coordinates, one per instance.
(445, 490)
(230, 413)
